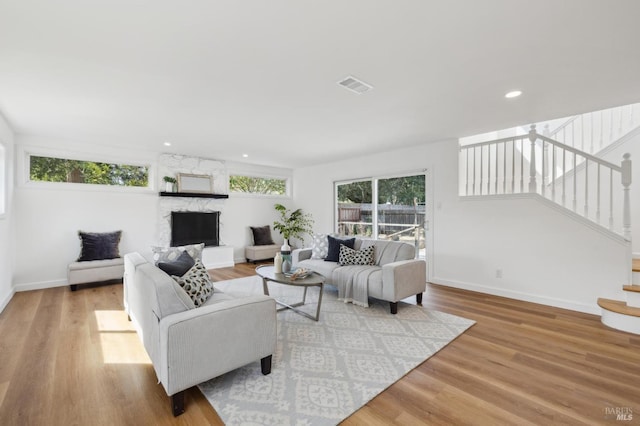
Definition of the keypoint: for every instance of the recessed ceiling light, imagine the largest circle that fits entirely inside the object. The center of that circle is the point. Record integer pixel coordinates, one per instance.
(167, 144)
(245, 155)
(513, 94)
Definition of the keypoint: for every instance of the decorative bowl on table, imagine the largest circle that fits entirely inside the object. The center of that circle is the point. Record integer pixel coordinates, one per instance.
(298, 273)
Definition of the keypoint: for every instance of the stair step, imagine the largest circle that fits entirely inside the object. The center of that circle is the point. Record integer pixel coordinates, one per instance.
(634, 287)
(635, 266)
(618, 307)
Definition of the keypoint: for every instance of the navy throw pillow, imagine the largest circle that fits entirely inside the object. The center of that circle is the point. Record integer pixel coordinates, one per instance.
(333, 254)
(99, 246)
(178, 267)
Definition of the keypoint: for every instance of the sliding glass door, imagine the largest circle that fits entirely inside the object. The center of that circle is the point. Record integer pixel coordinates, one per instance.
(390, 208)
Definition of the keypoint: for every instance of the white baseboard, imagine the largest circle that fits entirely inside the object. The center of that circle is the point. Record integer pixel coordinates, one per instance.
(240, 260)
(216, 265)
(4, 302)
(40, 285)
(526, 297)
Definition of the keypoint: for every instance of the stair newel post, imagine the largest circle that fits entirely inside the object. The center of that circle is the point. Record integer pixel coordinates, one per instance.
(533, 186)
(626, 183)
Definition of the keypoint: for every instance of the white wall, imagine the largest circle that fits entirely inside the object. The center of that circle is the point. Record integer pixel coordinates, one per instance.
(6, 234)
(545, 256)
(48, 219)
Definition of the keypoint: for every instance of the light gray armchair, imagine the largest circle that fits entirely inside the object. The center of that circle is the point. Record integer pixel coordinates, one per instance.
(189, 345)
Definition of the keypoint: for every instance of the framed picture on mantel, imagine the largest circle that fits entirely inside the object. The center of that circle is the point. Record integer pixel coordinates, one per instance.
(201, 184)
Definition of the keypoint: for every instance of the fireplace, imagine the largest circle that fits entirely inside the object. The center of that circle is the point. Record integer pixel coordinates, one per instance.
(195, 228)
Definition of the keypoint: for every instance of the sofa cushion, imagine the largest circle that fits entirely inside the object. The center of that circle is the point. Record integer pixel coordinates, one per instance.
(196, 283)
(320, 266)
(165, 296)
(333, 253)
(99, 245)
(167, 254)
(262, 235)
(178, 267)
(389, 251)
(356, 257)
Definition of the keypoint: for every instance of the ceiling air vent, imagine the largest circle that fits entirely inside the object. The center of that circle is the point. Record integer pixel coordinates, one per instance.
(355, 85)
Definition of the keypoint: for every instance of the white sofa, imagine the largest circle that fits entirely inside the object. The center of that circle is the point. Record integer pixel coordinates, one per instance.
(189, 345)
(396, 275)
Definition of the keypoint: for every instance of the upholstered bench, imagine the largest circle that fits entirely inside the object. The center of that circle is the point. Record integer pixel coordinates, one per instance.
(255, 253)
(94, 271)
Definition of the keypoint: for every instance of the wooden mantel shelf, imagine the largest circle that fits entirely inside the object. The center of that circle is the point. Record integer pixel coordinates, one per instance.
(192, 195)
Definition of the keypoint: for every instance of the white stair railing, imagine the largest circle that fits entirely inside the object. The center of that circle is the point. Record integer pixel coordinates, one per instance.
(593, 131)
(534, 163)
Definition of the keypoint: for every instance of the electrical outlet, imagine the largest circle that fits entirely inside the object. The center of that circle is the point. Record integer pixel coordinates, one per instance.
(498, 273)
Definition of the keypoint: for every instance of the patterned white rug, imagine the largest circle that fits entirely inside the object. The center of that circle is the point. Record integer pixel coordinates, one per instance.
(324, 371)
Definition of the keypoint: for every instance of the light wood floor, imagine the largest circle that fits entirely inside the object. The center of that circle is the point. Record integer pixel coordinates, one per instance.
(71, 358)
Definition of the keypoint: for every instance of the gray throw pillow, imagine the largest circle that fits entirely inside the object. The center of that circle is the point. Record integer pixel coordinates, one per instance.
(262, 235)
(99, 246)
(178, 267)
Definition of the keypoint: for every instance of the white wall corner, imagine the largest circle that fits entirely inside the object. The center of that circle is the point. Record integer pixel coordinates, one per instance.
(5, 301)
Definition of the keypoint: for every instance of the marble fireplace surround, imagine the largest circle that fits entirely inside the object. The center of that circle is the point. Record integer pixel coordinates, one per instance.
(171, 165)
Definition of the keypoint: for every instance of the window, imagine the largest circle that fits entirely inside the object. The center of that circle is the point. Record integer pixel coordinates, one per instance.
(258, 185)
(52, 169)
(383, 208)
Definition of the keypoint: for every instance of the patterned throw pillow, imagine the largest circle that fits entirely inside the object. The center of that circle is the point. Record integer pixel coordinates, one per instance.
(320, 246)
(196, 283)
(169, 254)
(349, 256)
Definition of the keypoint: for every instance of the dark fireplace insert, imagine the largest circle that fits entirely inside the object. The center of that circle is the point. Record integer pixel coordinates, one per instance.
(195, 228)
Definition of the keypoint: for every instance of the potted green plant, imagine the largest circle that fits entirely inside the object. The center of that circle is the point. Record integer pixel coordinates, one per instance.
(170, 183)
(292, 224)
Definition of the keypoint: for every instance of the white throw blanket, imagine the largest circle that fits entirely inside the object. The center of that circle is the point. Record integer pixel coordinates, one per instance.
(353, 285)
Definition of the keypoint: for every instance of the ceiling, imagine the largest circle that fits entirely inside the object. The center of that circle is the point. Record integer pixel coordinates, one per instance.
(220, 79)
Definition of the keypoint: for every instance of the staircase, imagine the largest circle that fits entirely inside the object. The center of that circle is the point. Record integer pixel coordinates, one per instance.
(590, 189)
(621, 315)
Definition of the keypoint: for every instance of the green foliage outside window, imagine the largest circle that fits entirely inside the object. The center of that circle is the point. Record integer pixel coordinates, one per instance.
(49, 169)
(401, 190)
(258, 185)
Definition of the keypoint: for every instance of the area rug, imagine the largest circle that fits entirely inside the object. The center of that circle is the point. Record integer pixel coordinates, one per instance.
(324, 371)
